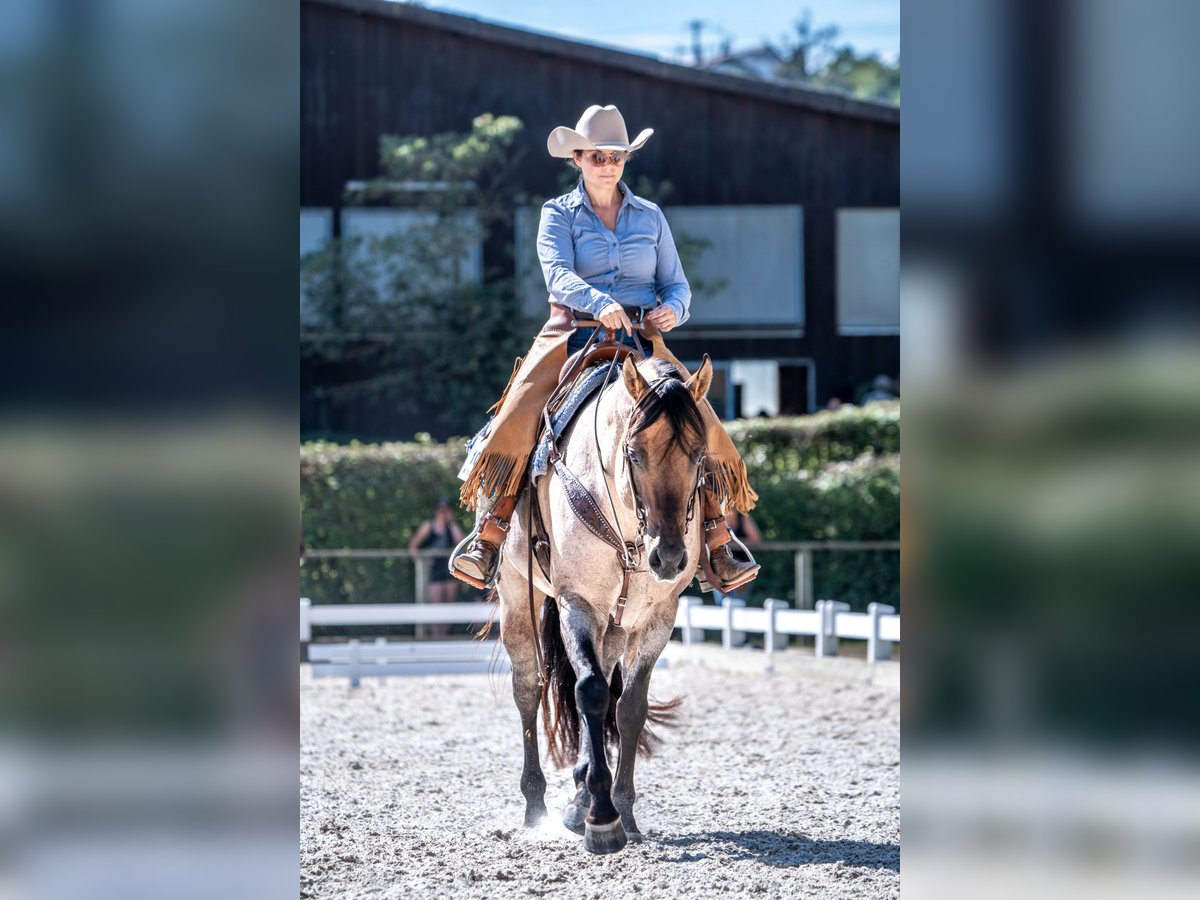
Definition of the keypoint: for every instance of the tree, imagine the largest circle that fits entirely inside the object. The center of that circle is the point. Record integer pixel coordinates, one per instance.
(813, 57)
(861, 76)
(401, 318)
(806, 56)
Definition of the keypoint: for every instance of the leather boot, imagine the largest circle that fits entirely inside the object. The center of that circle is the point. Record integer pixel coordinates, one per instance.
(729, 571)
(476, 565)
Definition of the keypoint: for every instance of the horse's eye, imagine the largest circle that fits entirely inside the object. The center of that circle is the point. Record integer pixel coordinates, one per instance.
(634, 456)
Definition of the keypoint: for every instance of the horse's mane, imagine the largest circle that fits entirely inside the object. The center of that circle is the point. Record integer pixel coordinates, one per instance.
(669, 397)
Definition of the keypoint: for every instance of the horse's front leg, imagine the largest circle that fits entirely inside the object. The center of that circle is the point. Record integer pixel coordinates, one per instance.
(516, 632)
(631, 718)
(603, 832)
(577, 810)
(641, 654)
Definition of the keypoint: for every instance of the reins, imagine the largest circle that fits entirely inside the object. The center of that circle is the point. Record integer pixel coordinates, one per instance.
(583, 504)
(569, 378)
(585, 507)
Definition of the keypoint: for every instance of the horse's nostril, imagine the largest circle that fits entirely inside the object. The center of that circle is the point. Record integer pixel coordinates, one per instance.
(654, 560)
(682, 564)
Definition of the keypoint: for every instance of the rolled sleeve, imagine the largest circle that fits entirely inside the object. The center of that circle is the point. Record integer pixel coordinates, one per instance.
(670, 284)
(556, 252)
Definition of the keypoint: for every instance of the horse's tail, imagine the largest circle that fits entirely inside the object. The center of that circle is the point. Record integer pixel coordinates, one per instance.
(560, 715)
(662, 714)
(492, 596)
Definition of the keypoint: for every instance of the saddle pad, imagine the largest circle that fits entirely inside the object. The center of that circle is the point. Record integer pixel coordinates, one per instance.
(587, 383)
(585, 386)
(474, 449)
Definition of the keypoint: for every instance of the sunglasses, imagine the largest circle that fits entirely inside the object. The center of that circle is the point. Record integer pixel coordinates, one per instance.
(598, 158)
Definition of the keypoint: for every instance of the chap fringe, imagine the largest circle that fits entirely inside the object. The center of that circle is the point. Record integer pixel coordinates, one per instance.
(730, 483)
(494, 475)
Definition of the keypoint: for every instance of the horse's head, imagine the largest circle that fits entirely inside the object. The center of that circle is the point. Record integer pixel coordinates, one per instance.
(664, 451)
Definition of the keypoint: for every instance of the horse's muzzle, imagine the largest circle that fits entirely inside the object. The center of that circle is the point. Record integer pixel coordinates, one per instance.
(667, 561)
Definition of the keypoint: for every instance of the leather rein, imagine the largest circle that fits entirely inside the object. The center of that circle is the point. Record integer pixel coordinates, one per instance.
(585, 507)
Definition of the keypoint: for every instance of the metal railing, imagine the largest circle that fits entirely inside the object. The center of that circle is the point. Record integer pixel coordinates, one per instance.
(423, 560)
(879, 626)
(803, 560)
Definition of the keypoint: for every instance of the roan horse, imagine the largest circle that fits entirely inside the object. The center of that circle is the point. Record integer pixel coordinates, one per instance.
(638, 448)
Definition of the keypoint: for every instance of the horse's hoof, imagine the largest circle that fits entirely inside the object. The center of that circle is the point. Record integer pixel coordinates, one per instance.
(604, 838)
(533, 817)
(573, 819)
(635, 837)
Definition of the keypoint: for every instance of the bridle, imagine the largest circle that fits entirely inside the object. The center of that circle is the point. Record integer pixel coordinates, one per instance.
(587, 510)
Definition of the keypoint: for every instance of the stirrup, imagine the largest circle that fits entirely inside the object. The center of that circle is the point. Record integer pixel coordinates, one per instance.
(705, 567)
(462, 547)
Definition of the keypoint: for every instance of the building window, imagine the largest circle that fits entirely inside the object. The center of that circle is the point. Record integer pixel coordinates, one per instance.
(756, 387)
(316, 228)
(375, 224)
(753, 255)
(750, 388)
(868, 271)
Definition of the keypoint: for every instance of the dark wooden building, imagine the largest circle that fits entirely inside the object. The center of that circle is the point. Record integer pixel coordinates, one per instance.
(797, 189)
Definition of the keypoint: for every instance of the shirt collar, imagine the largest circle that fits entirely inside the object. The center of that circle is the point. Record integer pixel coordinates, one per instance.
(579, 197)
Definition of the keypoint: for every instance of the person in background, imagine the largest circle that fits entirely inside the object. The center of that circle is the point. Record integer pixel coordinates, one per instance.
(882, 389)
(441, 532)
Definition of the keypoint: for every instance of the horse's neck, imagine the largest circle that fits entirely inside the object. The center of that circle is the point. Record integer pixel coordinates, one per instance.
(606, 424)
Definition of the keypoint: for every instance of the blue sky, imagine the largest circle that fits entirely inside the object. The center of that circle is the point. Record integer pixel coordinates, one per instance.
(659, 27)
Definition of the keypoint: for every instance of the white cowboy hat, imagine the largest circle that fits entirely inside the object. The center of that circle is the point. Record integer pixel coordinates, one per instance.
(599, 128)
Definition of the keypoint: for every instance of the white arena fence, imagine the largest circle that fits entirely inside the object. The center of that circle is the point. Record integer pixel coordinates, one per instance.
(830, 622)
(803, 554)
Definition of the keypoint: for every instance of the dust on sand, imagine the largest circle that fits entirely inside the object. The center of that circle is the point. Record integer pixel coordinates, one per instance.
(777, 787)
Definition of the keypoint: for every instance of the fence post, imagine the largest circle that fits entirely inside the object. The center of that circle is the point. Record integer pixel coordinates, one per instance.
(827, 640)
(876, 647)
(772, 640)
(381, 656)
(821, 646)
(421, 571)
(305, 620)
(729, 637)
(804, 581)
(421, 574)
(355, 663)
(687, 633)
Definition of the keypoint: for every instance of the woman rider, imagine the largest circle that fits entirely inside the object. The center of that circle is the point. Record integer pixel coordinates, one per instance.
(607, 255)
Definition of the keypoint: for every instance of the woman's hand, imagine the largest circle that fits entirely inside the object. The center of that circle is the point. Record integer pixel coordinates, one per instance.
(662, 317)
(614, 318)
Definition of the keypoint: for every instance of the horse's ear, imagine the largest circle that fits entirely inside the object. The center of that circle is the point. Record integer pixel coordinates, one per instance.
(698, 383)
(634, 382)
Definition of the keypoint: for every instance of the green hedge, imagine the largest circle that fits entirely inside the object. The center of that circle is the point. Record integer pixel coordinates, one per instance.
(832, 476)
(848, 501)
(808, 443)
(371, 496)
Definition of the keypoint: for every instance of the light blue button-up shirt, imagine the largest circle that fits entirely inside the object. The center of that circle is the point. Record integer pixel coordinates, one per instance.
(587, 266)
